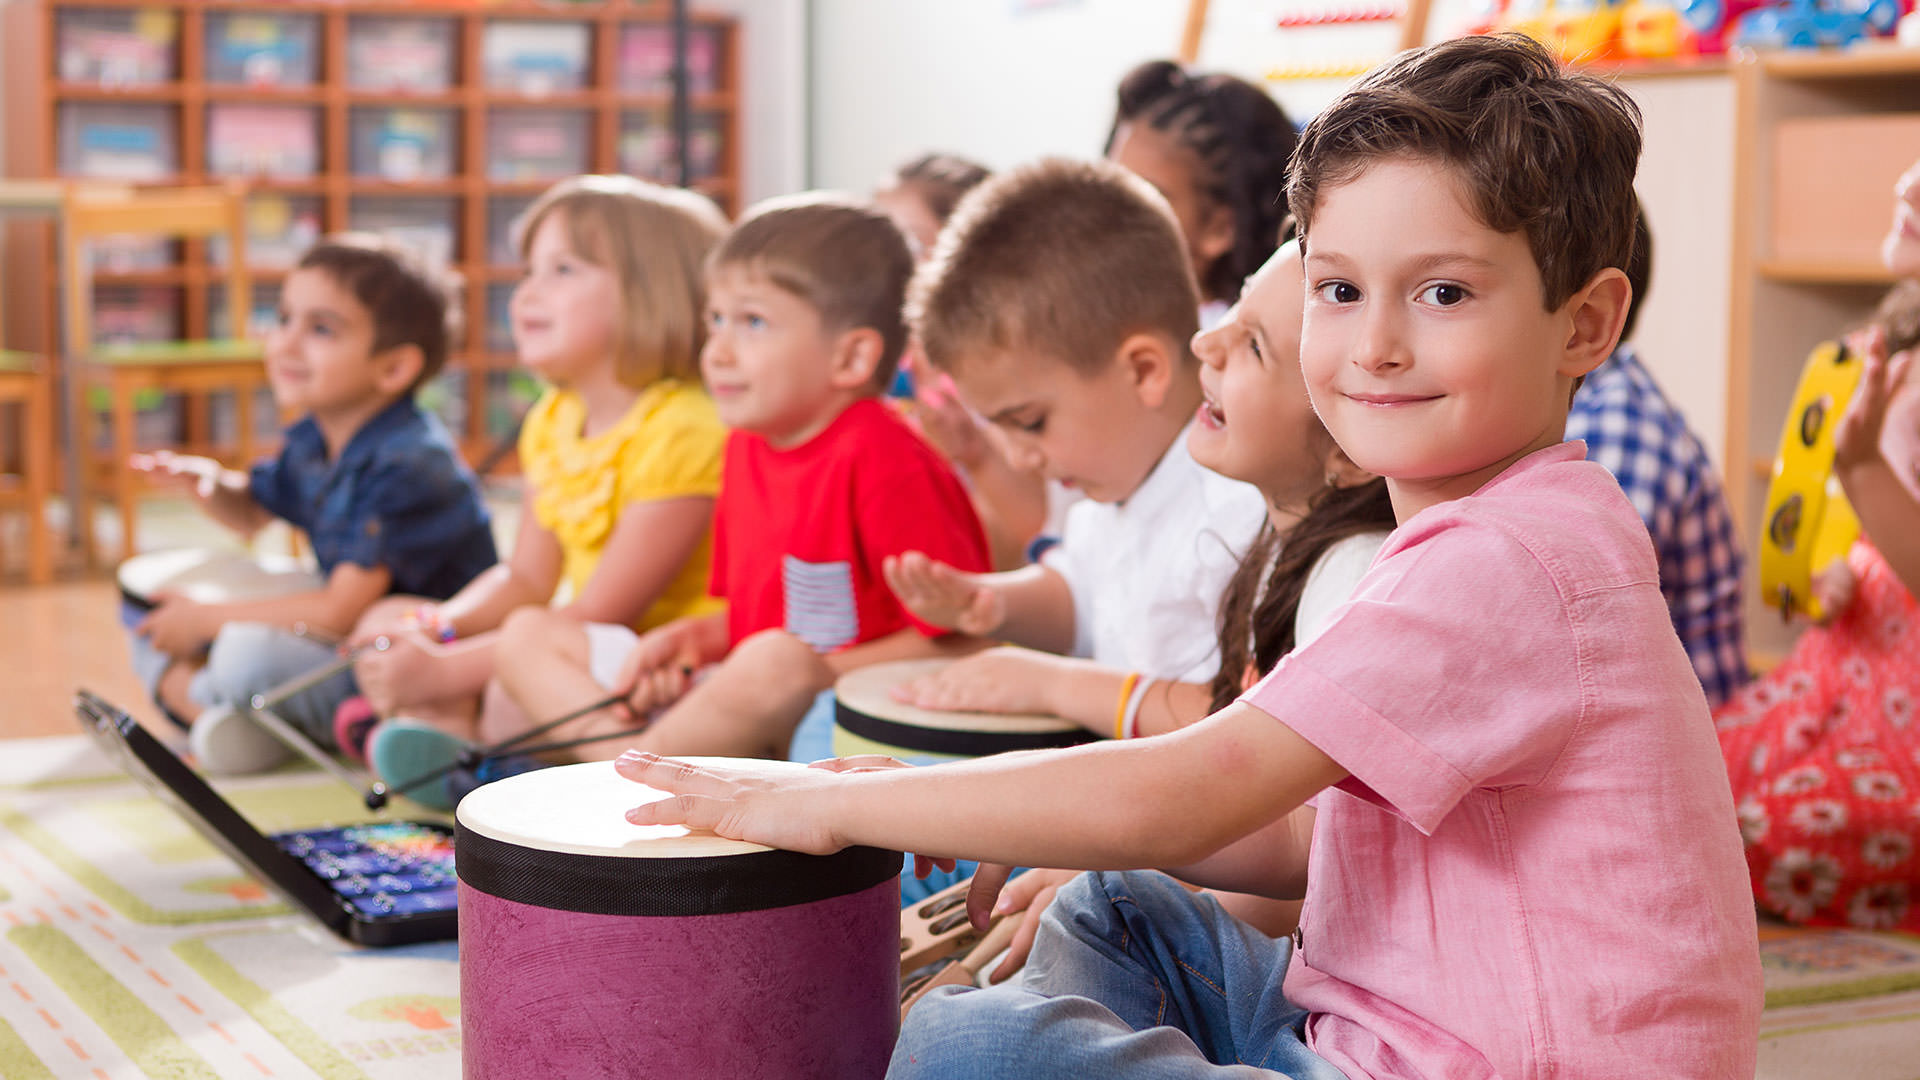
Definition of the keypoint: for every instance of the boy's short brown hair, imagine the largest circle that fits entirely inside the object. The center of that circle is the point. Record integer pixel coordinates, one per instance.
(1066, 259)
(847, 261)
(654, 240)
(1536, 149)
(408, 301)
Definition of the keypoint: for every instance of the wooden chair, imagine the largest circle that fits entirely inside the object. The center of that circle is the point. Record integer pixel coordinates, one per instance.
(184, 367)
(23, 379)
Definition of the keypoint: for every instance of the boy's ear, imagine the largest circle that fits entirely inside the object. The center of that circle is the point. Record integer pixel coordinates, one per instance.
(1149, 364)
(856, 356)
(396, 368)
(1596, 313)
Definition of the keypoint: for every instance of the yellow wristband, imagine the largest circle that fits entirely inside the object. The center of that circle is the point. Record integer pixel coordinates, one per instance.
(1120, 709)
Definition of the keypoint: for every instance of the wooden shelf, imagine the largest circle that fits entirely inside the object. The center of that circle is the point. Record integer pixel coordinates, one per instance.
(334, 197)
(1865, 60)
(1793, 272)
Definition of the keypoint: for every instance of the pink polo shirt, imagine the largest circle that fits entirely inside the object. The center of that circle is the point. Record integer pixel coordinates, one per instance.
(1534, 869)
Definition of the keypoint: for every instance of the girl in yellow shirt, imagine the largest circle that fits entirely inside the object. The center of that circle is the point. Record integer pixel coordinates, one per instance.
(620, 459)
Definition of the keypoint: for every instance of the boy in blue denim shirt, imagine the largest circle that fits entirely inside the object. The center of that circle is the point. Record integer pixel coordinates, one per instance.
(372, 479)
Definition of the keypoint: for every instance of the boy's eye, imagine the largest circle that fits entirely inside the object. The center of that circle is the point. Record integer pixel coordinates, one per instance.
(1253, 346)
(1339, 292)
(755, 322)
(1444, 294)
(1034, 426)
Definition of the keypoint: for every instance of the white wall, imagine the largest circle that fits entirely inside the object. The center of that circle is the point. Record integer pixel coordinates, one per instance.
(773, 91)
(1005, 81)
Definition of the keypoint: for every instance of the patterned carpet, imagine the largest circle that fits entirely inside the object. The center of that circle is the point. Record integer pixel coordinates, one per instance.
(131, 948)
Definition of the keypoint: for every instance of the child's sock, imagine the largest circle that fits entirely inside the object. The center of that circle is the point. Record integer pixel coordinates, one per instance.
(402, 751)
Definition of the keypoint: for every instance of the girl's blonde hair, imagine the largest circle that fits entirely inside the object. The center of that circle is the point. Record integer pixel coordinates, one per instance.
(655, 240)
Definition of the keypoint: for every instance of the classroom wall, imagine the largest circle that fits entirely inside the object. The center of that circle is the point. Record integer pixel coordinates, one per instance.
(1006, 81)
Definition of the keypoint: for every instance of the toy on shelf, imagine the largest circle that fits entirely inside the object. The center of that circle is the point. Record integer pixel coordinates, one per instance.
(1655, 30)
(401, 145)
(646, 60)
(406, 54)
(425, 224)
(112, 141)
(262, 50)
(647, 146)
(1335, 16)
(1807, 24)
(280, 141)
(115, 47)
(526, 145)
(535, 58)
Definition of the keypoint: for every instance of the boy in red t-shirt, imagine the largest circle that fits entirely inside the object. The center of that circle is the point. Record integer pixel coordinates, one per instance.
(821, 482)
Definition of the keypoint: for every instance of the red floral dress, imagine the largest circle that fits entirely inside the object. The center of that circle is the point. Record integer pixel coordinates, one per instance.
(1825, 762)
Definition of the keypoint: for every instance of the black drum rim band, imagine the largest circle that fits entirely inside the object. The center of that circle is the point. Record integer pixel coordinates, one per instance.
(676, 887)
(927, 740)
(138, 602)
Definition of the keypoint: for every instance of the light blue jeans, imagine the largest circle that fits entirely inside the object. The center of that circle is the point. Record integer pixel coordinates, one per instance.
(1131, 976)
(251, 658)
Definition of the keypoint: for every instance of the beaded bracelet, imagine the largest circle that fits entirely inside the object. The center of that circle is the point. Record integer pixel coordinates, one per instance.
(1120, 708)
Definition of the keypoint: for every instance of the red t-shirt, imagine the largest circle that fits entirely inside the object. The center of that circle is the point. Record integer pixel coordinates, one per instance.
(799, 534)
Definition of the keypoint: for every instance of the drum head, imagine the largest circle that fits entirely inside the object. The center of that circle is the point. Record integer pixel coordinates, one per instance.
(211, 576)
(869, 691)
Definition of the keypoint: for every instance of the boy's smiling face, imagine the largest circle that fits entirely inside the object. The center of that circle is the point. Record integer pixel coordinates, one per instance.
(769, 361)
(1427, 346)
(319, 356)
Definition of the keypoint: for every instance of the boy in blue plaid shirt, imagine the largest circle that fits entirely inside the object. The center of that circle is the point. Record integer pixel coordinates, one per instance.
(1639, 436)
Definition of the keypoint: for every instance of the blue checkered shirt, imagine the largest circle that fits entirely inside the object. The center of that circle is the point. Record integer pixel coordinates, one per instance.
(1631, 428)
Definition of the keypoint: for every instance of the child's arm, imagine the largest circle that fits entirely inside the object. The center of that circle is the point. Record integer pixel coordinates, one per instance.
(651, 542)
(1106, 805)
(180, 627)
(221, 493)
(1888, 512)
(1015, 680)
(1031, 606)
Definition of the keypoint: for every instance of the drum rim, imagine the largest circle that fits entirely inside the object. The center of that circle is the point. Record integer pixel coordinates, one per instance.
(870, 685)
(959, 742)
(670, 887)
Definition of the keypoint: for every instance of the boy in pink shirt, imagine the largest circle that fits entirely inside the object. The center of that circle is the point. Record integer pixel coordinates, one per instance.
(1492, 777)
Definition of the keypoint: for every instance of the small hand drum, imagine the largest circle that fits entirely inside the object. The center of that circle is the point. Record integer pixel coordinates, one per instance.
(207, 576)
(1809, 523)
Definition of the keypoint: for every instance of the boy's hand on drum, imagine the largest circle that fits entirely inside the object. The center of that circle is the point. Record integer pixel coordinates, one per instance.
(198, 476)
(858, 763)
(177, 626)
(937, 593)
(779, 809)
(1006, 679)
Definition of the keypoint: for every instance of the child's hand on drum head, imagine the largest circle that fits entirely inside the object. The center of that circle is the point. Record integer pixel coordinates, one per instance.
(786, 810)
(1007, 679)
(195, 475)
(179, 627)
(947, 598)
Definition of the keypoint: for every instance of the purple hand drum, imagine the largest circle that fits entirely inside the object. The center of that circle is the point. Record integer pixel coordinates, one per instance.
(590, 947)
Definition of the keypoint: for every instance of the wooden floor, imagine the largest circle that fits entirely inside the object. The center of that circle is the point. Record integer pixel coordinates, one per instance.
(54, 639)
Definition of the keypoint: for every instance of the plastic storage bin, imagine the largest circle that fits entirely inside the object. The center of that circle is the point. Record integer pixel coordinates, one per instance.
(428, 224)
(502, 212)
(135, 313)
(400, 53)
(116, 46)
(281, 141)
(535, 57)
(262, 49)
(119, 142)
(536, 144)
(402, 144)
(646, 59)
(646, 145)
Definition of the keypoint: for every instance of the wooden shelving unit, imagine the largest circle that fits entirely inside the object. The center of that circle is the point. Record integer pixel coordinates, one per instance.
(610, 114)
(1782, 306)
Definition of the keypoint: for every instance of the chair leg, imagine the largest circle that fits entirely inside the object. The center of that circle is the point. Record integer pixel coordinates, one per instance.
(37, 463)
(123, 474)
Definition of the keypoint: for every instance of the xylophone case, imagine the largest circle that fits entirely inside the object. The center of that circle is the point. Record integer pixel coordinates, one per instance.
(384, 883)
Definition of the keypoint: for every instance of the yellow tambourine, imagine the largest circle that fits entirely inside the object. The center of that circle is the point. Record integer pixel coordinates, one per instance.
(1809, 523)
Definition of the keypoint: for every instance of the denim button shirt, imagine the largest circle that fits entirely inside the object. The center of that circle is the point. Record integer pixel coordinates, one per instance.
(399, 497)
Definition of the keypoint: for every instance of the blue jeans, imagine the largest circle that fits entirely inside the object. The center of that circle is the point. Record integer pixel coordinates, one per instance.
(1131, 976)
(251, 658)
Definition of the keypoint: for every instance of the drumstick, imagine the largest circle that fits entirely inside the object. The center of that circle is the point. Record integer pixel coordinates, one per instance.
(260, 707)
(377, 794)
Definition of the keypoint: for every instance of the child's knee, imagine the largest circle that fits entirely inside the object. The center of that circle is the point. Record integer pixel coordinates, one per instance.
(950, 1031)
(241, 662)
(535, 630)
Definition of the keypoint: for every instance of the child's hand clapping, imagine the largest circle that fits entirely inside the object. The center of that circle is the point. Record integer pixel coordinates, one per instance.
(1003, 680)
(943, 596)
(1856, 441)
